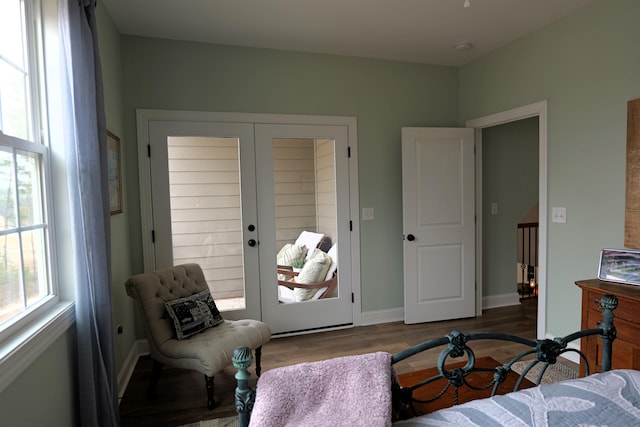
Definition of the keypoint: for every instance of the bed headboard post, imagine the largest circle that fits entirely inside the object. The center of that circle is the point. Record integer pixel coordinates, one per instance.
(245, 395)
(608, 304)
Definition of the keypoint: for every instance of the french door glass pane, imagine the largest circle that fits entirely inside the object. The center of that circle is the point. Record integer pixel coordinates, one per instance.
(206, 213)
(305, 200)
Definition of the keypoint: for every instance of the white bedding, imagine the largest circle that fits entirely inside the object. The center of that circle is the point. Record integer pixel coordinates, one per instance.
(607, 399)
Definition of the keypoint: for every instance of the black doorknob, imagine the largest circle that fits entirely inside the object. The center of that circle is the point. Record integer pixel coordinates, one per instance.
(411, 237)
(251, 242)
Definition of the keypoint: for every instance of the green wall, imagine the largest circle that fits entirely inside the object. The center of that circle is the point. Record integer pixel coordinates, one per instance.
(510, 179)
(586, 66)
(383, 95)
(44, 394)
(123, 306)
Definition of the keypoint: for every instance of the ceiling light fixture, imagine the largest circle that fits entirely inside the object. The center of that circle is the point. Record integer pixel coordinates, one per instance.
(467, 3)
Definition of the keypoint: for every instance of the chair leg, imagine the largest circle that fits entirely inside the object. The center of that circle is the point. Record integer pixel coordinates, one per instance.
(258, 358)
(210, 402)
(156, 371)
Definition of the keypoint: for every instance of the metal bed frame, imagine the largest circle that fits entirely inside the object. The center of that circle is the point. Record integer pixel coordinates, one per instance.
(457, 345)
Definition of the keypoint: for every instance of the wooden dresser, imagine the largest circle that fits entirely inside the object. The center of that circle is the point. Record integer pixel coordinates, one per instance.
(626, 346)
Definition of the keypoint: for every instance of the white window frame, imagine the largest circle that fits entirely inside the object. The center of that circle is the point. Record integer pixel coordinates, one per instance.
(27, 339)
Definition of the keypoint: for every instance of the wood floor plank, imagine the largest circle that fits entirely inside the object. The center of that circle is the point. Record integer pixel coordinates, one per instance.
(181, 396)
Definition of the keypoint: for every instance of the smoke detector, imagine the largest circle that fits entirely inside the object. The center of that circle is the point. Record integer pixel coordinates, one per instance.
(463, 46)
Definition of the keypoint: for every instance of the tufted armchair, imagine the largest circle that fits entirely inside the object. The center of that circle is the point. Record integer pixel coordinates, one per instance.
(208, 351)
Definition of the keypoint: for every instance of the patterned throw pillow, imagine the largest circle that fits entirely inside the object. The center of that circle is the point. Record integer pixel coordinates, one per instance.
(290, 254)
(314, 271)
(193, 314)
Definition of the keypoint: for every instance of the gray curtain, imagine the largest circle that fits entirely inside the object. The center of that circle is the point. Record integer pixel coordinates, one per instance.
(85, 154)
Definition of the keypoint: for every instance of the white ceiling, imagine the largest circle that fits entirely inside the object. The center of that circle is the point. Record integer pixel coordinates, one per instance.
(424, 31)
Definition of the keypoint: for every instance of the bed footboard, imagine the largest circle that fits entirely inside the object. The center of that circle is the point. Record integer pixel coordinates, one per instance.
(245, 395)
(456, 345)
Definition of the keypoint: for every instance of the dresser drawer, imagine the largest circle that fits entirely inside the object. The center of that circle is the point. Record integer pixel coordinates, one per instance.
(626, 346)
(624, 355)
(627, 309)
(625, 330)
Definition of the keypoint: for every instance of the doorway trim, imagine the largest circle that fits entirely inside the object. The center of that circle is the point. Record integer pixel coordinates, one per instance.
(538, 109)
(144, 116)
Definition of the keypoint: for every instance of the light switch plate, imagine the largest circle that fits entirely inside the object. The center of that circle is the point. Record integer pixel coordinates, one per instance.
(559, 215)
(367, 214)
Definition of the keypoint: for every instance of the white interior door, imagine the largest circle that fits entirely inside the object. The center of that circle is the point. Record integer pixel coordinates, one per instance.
(303, 177)
(202, 180)
(438, 223)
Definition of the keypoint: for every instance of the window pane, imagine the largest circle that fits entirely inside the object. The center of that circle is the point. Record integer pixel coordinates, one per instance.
(14, 92)
(13, 101)
(8, 204)
(35, 265)
(11, 31)
(29, 189)
(11, 296)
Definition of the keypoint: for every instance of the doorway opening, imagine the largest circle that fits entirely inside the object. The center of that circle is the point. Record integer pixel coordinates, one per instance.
(539, 110)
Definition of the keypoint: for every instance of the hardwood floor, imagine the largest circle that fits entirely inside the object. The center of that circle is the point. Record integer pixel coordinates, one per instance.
(181, 396)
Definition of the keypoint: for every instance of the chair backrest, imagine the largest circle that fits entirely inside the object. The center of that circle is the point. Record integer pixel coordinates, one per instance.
(310, 239)
(151, 290)
(333, 254)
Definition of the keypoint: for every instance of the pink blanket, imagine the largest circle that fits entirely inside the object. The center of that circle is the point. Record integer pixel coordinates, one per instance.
(345, 391)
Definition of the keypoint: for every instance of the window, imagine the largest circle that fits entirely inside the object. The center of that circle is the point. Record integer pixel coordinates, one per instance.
(26, 284)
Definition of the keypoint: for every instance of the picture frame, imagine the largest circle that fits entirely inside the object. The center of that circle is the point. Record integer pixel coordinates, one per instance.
(115, 173)
(620, 266)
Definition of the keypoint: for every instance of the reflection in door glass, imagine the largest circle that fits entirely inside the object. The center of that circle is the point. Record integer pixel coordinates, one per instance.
(206, 216)
(305, 214)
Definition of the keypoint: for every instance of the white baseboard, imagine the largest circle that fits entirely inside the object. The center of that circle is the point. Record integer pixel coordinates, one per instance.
(382, 316)
(139, 348)
(502, 300)
(397, 314)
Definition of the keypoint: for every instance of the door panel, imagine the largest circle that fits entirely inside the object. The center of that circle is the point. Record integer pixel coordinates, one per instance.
(297, 176)
(204, 202)
(438, 211)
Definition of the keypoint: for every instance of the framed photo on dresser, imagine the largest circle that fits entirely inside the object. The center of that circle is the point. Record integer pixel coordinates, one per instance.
(620, 265)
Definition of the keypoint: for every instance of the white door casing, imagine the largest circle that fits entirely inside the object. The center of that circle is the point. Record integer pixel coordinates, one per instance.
(538, 109)
(438, 223)
(151, 122)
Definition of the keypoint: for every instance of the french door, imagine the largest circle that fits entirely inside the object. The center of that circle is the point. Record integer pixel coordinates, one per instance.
(293, 204)
(229, 195)
(203, 199)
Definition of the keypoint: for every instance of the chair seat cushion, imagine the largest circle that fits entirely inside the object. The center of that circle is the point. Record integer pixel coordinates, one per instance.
(211, 350)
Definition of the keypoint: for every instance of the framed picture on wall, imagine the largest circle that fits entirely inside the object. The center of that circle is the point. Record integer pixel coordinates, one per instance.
(115, 173)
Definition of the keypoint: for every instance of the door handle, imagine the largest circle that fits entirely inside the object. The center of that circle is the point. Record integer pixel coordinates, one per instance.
(251, 242)
(411, 237)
